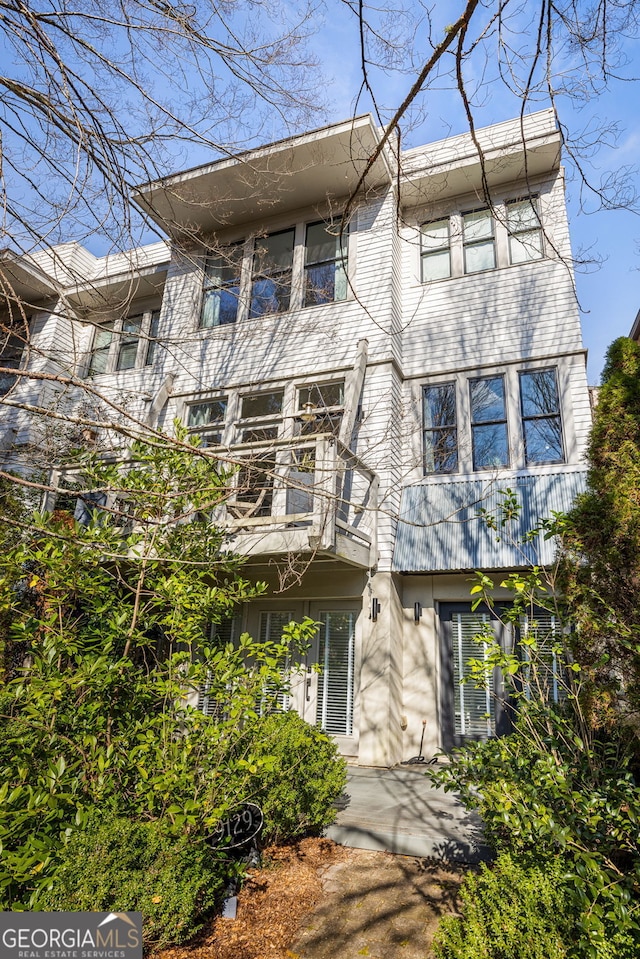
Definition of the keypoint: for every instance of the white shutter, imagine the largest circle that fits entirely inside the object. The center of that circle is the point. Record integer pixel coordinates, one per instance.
(474, 708)
(271, 627)
(336, 651)
(545, 681)
(221, 633)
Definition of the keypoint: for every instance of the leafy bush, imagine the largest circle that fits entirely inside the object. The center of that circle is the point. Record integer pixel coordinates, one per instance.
(119, 865)
(296, 778)
(509, 911)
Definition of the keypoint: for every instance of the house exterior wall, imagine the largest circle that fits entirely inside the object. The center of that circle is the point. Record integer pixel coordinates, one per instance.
(498, 322)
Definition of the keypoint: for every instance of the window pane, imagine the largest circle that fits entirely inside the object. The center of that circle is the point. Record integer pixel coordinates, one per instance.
(477, 225)
(436, 266)
(101, 346)
(127, 354)
(153, 336)
(224, 268)
(274, 252)
(525, 247)
(539, 393)
(487, 400)
(441, 451)
(255, 484)
(490, 446)
(219, 307)
(10, 356)
(435, 235)
(270, 295)
(320, 284)
(260, 434)
(262, 404)
(336, 656)
(323, 243)
(479, 257)
(201, 414)
(439, 405)
(522, 216)
(474, 707)
(543, 440)
(327, 394)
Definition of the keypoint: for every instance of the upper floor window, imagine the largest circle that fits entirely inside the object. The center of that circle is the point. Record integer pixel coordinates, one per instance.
(525, 230)
(435, 250)
(11, 349)
(488, 423)
(478, 241)
(272, 273)
(325, 269)
(124, 344)
(206, 419)
(440, 429)
(542, 427)
(221, 287)
(268, 403)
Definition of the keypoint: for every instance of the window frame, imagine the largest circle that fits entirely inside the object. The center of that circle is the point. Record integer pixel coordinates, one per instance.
(223, 284)
(449, 427)
(477, 242)
(533, 200)
(215, 426)
(272, 274)
(145, 337)
(11, 356)
(539, 417)
(340, 262)
(432, 252)
(478, 424)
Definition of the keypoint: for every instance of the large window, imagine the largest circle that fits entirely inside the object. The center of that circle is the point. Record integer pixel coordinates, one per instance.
(525, 231)
(272, 273)
(336, 657)
(478, 240)
(221, 287)
(440, 431)
(488, 423)
(435, 250)
(541, 423)
(127, 344)
(325, 264)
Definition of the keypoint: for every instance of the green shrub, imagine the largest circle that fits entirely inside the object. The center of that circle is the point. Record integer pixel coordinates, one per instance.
(296, 777)
(509, 912)
(120, 865)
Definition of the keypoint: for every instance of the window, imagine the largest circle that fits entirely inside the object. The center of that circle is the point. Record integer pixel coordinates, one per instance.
(324, 402)
(435, 250)
(440, 432)
(101, 347)
(128, 344)
(543, 648)
(214, 699)
(336, 657)
(478, 241)
(11, 357)
(542, 427)
(271, 629)
(325, 269)
(488, 423)
(525, 232)
(207, 420)
(272, 274)
(120, 345)
(473, 706)
(221, 287)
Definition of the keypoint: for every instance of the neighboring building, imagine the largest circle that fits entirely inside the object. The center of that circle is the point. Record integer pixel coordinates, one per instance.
(379, 379)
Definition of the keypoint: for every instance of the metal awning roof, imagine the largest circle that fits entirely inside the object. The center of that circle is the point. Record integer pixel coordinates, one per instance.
(441, 529)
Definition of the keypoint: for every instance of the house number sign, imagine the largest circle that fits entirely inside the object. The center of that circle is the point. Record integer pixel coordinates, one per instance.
(239, 828)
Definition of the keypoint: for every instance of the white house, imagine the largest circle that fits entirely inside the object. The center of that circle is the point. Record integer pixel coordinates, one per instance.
(380, 367)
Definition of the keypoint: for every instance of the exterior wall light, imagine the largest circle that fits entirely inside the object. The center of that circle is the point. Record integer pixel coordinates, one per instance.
(375, 609)
(308, 414)
(417, 612)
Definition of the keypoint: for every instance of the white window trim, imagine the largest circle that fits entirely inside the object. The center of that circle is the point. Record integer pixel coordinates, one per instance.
(144, 343)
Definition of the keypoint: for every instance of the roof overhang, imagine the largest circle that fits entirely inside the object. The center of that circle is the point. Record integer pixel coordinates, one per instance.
(524, 149)
(120, 291)
(22, 281)
(303, 171)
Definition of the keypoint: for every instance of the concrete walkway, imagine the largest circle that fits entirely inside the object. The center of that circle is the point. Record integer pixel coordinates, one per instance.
(398, 810)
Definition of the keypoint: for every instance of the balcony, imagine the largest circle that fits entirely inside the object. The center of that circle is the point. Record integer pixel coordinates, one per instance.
(303, 495)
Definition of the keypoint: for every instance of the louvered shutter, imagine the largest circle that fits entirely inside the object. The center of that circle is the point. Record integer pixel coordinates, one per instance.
(545, 678)
(208, 703)
(336, 649)
(271, 627)
(474, 708)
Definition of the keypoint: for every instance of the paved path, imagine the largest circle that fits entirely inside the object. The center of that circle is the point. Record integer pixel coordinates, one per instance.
(398, 810)
(376, 905)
